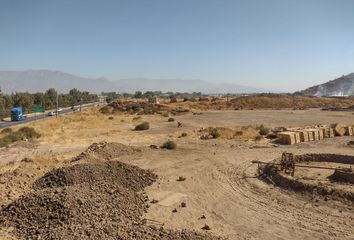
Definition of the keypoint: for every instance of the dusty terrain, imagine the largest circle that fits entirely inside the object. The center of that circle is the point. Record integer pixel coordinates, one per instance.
(220, 188)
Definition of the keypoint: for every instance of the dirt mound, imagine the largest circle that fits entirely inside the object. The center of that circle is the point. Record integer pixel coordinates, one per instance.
(17, 178)
(106, 151)
(88, 201)
(125, 175)
(273, 174)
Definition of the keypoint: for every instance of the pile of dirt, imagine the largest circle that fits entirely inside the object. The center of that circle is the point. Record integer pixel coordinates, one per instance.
(133, 107)
(17, 178)
(106, 151)
(128, 176)
(88, 201)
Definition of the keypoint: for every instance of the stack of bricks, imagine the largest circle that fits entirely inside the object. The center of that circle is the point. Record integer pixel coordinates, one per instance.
(297, 135)
(349, 130)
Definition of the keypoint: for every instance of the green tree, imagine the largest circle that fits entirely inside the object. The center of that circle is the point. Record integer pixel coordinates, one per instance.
(138, 94)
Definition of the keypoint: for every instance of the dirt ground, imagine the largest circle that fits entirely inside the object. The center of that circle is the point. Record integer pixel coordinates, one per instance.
(220, 187)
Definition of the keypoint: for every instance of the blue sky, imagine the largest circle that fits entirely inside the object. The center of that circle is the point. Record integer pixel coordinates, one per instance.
(281, 45)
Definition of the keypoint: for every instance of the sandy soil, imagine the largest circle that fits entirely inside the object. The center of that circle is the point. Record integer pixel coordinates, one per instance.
(220, 179)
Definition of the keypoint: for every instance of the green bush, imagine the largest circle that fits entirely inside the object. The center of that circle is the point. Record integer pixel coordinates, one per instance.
(169, 145)
(263, 130)
(142, 126)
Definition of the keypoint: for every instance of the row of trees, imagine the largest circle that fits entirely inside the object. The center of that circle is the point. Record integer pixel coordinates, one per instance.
(148, 94)
(48, 99)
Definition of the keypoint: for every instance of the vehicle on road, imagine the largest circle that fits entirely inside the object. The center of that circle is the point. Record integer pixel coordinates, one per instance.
(17, 114)
(51, 113)
(59, 109)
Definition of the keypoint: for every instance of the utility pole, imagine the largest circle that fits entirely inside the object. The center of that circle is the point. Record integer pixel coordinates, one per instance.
(80, 103)
(56, 112)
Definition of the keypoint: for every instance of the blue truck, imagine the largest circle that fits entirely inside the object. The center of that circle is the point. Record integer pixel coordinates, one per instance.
(17, 114)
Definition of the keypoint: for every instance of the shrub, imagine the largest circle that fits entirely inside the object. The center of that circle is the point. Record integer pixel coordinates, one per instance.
(184, 134)
(110, 118)
(263, 130)
(169, 145)
(171, 120)
(22, 133)
(6, 130)
(29, 132)
(142, 126)
(258, 138)
(214, 133)
(278, 129)
(238, 133)
(106, 110)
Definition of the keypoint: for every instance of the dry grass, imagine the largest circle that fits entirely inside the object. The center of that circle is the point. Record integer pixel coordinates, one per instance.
(267, 101)
(235, 133)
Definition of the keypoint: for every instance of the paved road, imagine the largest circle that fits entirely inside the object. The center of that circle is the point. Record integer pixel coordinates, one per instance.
(5, 124)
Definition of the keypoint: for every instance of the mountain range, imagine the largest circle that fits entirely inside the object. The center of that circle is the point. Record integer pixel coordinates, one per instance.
(41, 80)
(341, 87)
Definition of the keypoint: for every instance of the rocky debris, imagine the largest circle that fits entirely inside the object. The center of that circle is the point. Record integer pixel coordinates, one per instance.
(181, 179)
(206, 227)
(88, 201)
(125, 175)
(107, 151)
(153, 146)
(17, 178)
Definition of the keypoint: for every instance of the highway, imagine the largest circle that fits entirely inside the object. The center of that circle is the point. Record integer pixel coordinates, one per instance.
(38, 116)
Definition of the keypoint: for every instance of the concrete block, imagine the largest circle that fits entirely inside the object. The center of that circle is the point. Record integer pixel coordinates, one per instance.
(287, 138)
(304, 135)
(297, 137)
(348, 130)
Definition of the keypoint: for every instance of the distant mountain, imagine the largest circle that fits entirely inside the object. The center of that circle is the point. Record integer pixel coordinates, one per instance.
(41, 80)
(342, 86)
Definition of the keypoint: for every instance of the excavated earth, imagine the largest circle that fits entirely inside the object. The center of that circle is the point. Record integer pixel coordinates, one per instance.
(88, 201)
(106, 151)
(334, 187)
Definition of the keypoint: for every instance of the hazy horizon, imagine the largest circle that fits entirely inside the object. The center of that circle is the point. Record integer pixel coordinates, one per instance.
(277, 45)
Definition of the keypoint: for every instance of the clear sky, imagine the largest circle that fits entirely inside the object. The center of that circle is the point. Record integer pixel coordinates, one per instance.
(274, 44)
